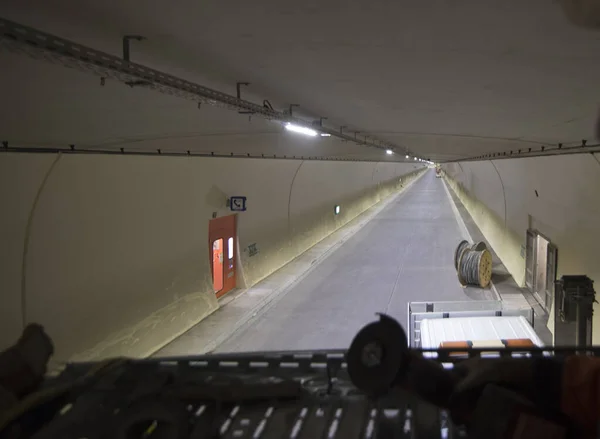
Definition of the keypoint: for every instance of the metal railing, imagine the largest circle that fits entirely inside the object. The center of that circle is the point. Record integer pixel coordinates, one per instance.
(417, 311)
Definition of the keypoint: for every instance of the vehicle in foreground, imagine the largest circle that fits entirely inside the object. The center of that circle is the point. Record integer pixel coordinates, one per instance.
(378, 388)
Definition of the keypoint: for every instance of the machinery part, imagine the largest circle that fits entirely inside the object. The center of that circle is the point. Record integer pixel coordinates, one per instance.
(575, 297)
(379, 360)
(475, 267)
(572, 291)
(147, 398)
(432, 383)
(377, 355)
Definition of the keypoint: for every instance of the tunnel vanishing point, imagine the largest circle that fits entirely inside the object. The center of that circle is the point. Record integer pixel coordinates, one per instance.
(261, 176)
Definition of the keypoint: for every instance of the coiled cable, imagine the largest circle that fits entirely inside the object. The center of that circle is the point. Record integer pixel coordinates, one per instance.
(461, 246)
(475, 267)
(469, 267)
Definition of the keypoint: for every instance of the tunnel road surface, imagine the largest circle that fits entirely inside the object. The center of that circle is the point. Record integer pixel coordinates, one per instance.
(404, 254)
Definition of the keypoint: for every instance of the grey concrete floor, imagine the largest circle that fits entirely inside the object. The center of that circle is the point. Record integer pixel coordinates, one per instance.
(403, 254)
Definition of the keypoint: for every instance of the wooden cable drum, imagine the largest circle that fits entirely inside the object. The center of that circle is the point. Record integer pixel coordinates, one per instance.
(475, 267)
(479, 246)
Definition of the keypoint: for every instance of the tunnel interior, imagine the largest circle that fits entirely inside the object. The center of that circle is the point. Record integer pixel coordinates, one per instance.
(177, 181)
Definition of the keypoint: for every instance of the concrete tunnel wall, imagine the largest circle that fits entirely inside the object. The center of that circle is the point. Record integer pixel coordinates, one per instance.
(109, 253)
(501, 197)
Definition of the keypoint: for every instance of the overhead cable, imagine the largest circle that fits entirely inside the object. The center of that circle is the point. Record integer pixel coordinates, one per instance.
(43, 46)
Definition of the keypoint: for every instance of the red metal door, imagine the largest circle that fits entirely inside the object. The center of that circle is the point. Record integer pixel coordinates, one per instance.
(223, 230)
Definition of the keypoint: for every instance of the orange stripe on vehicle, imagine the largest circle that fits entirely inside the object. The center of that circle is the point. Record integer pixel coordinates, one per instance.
(519, 343)
(456, 345)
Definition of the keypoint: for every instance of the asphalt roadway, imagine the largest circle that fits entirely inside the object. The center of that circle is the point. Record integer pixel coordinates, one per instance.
(404, 254)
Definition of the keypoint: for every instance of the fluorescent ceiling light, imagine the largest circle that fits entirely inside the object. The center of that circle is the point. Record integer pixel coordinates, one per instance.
(301, 130)
(415, 158)
(407, 156)
(325, 135)
(389, 152)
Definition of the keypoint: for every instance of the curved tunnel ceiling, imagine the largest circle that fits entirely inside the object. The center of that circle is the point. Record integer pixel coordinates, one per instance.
(447, 80)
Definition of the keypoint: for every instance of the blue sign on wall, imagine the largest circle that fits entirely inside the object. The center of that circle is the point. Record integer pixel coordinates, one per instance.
(237, 204)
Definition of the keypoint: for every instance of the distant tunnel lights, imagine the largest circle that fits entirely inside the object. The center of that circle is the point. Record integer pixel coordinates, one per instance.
(389, 151)
(325, 135)
(301, 130)
(407, 156)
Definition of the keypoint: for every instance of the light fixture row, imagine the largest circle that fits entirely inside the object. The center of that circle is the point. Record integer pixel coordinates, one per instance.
(313, 133)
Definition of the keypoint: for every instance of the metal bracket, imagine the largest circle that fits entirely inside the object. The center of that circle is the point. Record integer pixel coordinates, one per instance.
(238, 88)
(291, 109)
(126, 40)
